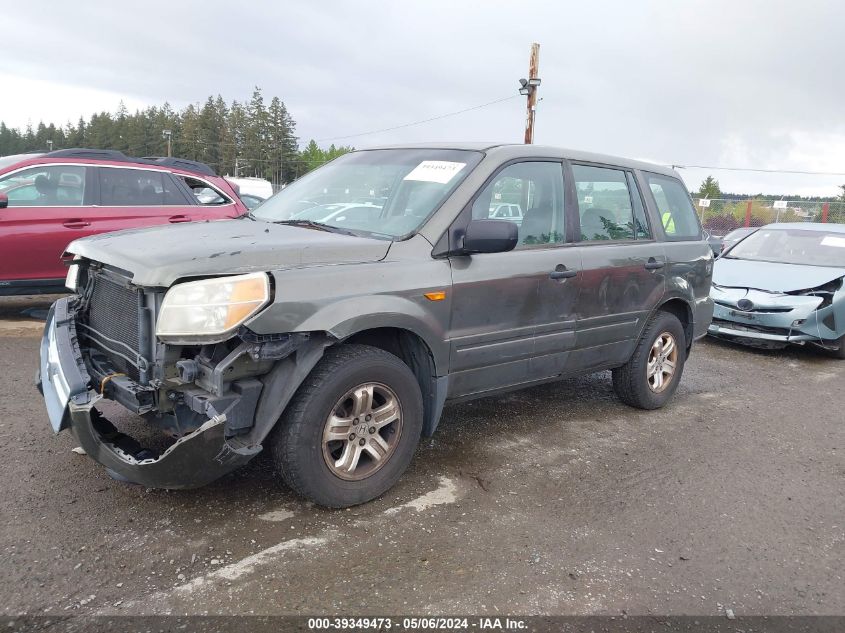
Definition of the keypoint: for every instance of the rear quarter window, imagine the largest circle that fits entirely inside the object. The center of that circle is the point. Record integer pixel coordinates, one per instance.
(204, 193)
(677, 214)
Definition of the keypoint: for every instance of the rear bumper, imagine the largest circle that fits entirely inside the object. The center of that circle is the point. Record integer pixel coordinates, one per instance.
(702, 317)
(194, 460)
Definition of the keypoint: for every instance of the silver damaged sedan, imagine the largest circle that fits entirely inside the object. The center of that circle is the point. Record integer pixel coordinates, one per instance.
(781, 285)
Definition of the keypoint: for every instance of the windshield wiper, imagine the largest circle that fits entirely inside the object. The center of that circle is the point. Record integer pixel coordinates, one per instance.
(320, 226)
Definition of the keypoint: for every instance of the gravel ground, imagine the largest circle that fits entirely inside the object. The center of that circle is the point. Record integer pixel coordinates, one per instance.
(553, 500)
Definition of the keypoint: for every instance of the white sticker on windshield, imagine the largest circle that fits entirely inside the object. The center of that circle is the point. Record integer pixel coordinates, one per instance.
(830, 240)
(441, 171)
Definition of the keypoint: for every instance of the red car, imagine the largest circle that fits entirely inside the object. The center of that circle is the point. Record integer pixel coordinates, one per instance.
(49, 200)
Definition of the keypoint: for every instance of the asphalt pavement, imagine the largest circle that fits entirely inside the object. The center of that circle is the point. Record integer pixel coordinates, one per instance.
(554, 500)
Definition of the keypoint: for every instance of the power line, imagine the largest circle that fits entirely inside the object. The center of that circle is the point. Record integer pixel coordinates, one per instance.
(765, 171)
(404, 125)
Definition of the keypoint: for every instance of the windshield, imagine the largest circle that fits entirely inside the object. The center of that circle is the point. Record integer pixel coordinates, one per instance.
(385, 193)
(739, 233)
(792, 246)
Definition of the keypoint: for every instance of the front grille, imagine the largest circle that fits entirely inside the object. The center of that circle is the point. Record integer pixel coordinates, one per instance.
(111, 323)
(764, 310)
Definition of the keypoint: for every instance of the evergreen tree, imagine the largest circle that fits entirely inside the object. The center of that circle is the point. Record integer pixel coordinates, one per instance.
(260, 136)
(313, 156)
(187, 143)
(210, 129)
(256, 136)
(281, 142)
(236, 145)
(77, 136)
(709, 188)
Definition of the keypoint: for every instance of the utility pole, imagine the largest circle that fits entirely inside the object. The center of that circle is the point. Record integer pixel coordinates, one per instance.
(49, 145)
(167, 134)
(529, 89)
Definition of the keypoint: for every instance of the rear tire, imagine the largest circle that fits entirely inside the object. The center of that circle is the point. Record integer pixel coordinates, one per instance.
(651, 376)
(340, 441)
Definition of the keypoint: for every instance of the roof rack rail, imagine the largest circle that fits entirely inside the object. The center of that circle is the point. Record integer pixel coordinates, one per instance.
(118, 156)
(182, 163)
(95, 154)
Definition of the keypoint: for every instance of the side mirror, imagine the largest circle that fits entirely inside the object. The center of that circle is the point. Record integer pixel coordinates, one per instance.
(4, 201)
(490, 236)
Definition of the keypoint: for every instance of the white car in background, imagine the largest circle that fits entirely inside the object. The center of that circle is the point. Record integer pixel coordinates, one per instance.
(341, 213)
(506, 211)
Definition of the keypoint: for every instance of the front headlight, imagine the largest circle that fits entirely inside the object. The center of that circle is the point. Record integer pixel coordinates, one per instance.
(208, 311)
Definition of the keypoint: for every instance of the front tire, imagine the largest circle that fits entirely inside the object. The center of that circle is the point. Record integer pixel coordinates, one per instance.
(649, 379)
(840, 351)
(351, 429)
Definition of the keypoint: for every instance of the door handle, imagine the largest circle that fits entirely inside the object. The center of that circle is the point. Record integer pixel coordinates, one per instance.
(560, 272)
(653, 264)
(175, 219)
(75, 224)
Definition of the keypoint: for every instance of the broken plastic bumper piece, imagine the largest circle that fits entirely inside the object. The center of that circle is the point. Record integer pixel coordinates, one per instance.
(192, 461)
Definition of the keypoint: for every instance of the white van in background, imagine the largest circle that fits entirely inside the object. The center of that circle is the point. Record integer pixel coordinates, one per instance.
(259, 187)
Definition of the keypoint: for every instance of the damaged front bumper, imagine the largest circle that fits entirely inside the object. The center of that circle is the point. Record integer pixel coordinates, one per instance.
(192, 461)
(764, 319)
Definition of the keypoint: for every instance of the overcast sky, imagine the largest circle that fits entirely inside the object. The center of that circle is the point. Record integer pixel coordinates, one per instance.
(729, 83)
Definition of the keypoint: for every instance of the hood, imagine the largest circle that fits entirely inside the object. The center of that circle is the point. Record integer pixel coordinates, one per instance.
(158, 256)
(743, 273)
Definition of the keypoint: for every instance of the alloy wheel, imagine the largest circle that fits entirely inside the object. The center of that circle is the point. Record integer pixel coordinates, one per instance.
(362, 431)
(662, 362)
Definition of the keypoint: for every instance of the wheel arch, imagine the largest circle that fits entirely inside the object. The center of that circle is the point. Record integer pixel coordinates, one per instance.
(282, 382)
(682, 309)
(413, 350)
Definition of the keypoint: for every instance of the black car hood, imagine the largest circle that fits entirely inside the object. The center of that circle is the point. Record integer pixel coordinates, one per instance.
(158, 256)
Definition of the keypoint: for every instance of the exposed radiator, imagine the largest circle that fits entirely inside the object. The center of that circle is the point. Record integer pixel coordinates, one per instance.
(112, 324)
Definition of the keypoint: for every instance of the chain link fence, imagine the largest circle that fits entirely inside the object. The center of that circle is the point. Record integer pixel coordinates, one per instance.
(720, 216)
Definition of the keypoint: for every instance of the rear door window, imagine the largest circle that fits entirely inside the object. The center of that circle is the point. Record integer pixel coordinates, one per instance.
(606, 206)
(121, 187)
(677, 215)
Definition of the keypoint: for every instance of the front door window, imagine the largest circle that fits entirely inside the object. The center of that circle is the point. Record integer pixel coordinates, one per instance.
(45, 186)
(531, 196)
